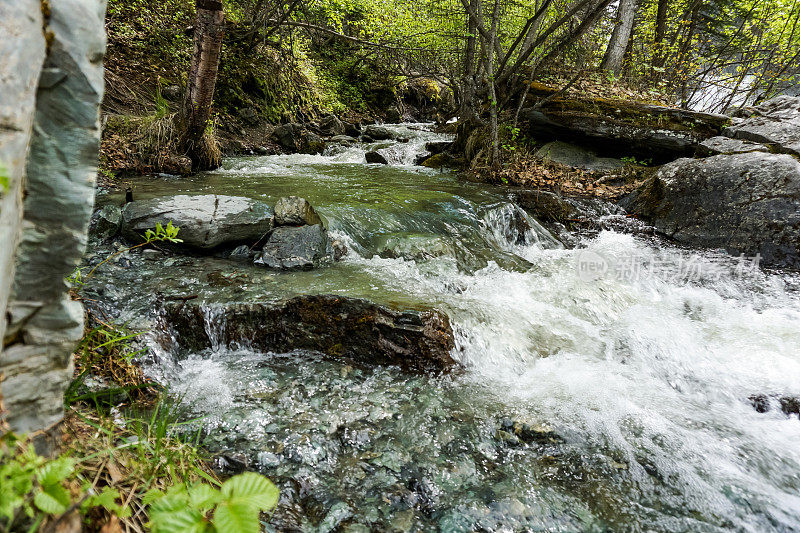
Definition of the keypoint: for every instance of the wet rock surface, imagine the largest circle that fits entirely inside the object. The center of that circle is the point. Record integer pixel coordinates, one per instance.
(376, 157)
(106, 222)
(378, 133)
(206, 222)
(295, 211)
(744, 203)
(337, 326)
(296, 248)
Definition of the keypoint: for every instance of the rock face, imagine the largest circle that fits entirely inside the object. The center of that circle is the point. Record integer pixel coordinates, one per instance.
(288, 136)
(22, 51)
(621, 127)
(295, 211)
(206, 221)
(45, 324)
(296, 248)
(744, 203)
(775, 122)
(376, 157)
(337, 326)
(577, 157)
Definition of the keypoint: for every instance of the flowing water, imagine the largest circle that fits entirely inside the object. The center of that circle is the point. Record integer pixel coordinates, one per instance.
(636, 381)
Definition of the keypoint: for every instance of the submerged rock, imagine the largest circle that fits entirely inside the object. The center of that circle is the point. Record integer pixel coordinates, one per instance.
(775, 122)
(295, 211)
(205, 221)
(296, 248)
(338, 326)
(743, 203)
(376, 157)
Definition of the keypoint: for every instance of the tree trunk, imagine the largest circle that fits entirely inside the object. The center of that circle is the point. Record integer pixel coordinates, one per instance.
(661, 30)
(615, 53)
(468, 92)
(208, 32)
(490, 49)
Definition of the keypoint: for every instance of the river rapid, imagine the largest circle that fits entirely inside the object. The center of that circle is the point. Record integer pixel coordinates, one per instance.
(635, 374)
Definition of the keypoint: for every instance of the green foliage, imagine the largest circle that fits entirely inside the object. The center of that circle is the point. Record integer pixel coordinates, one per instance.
(235, 506)
(33, 488)
(4, 181)
(168, 233)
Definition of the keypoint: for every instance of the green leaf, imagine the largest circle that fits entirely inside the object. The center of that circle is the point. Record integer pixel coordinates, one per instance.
(251, 489)
(53, 499)
(55, 471)
(179, 521)
(203, 497)
(239, 517)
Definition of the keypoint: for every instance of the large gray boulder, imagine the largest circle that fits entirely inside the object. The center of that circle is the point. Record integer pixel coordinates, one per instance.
(206, 222)
(340, 327)
(296, 248)
(106, 222)
(744, 203)
(775, 122)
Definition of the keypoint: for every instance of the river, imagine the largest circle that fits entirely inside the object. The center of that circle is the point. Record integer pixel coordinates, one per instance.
(636, 377)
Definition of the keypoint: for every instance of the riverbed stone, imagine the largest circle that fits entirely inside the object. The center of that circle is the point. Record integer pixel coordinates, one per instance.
(206, 221)
(295, 211)
(296, 248)
(345, 328)
(775, 122)
(376, 157)
(743, 203)
(378, 133)
(331, 125)
(288, 136)
(106, 222)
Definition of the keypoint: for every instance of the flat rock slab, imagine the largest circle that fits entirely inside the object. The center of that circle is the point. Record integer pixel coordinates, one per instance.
(577, 157)
(337, 326)
(743, 203)
(206, 222)
(775, 122)
(725, 145)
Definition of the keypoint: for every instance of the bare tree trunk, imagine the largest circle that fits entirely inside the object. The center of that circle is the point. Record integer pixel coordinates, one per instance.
(490, 48)
(468, 98)
(615, 52)
(208, 33)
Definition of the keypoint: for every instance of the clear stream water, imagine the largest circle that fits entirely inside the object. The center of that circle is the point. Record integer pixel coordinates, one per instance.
(640, 380)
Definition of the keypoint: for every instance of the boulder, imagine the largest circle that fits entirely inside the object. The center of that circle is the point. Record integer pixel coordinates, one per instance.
(744, 203)
(249, 116)
(347, 328)
(353, 130)
(376, 157)
(577, 157)
(442, 160)
(296, 248)
(288, 136)
(106, 222)
(295, 211)
(378, 133)
(311, 143)
(623, 127)
(437, 147)
(546, 206)
(775, 122)
(725, 145)
(206, 222)
(343, 139)
(331, 125)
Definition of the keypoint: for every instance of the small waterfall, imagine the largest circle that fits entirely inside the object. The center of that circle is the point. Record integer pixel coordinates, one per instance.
(214, 324)
(511, 227)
